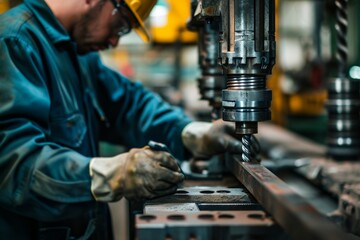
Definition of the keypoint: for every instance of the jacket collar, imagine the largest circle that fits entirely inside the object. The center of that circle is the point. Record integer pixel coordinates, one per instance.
(47, 19)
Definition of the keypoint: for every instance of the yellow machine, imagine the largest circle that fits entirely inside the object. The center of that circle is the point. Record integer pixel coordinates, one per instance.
(168, 22)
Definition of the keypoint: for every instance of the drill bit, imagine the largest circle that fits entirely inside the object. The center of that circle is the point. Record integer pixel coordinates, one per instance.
(255, 149)
(246, 148)
(250, 148)
(341, 27)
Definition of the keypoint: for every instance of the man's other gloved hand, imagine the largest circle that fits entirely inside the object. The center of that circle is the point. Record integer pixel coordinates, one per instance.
(205, 139)
(138, 174)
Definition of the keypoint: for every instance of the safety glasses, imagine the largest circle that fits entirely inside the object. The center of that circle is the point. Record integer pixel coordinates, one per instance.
(122, 25)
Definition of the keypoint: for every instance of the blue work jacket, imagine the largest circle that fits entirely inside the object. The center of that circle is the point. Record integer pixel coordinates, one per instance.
(55, 107)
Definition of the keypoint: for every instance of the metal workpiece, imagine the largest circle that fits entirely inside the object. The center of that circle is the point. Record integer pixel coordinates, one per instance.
(343, 107)
(202, 213)
(203, 198)
(171, 207)
(207, 225)
(293, 213)
(204, 194)
(339, 179)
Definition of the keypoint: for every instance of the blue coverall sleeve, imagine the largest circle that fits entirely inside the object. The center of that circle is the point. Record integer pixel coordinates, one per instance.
(137, 115)
(38, 178)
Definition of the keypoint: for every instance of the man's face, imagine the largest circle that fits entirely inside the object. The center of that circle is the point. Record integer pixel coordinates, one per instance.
(98, 28)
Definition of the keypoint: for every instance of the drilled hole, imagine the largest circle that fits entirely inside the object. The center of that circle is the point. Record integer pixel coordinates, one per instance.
(147, 217)
(176, 217)
(256, 216)
(207, 192)
(223, 191)
(227, 216)
(206, 216)
(182, 192)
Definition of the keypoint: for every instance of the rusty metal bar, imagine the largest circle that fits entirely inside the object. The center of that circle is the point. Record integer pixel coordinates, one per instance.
(291, 211)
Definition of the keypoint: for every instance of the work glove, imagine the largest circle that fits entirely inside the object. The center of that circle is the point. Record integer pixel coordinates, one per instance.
(205, 139)
(137, 175)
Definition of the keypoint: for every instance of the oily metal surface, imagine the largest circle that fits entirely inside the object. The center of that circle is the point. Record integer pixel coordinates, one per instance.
(202, 198)
(171, 207)
(204, 194)
(297, 217)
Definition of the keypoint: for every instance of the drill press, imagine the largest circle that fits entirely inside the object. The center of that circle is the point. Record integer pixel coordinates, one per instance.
(246, 54)
(248, 51)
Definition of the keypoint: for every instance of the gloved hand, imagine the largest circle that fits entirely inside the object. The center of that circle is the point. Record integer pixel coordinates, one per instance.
(138, 174)
(205, 139)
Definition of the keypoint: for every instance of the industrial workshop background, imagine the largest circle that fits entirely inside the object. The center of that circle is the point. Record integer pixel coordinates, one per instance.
(306, 42)
(315, 94)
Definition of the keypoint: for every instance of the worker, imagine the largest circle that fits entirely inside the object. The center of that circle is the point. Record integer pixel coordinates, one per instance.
(58, 100)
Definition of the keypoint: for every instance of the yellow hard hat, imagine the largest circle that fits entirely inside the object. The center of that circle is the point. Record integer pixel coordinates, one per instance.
(141, 10)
